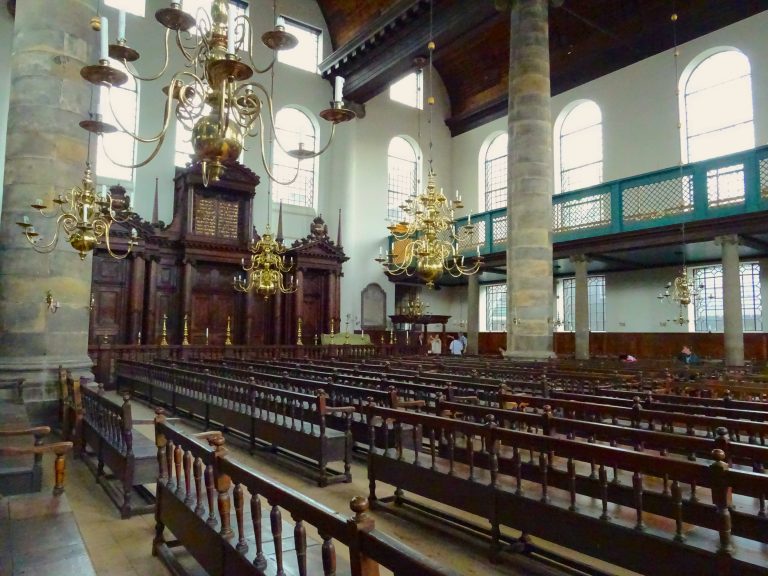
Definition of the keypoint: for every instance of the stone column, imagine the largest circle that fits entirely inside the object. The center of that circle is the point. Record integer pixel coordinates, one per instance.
(187, 281)
(529, 184)
(150, 334)
(733, 332)
(581, 308)
(45, 155)
(473, 314)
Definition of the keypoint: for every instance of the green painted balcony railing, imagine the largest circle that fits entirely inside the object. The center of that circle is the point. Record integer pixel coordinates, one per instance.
(724, 186)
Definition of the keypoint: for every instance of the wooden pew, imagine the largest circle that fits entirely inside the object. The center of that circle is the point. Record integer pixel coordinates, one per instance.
(633, 524)
(231, 519)
(106, 439)
(282, 419)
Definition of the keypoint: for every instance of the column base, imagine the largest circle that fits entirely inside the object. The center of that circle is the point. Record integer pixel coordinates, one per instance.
(41, 373)
(529, 355)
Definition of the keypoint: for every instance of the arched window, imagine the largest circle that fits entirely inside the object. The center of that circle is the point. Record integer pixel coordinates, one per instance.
(580, 143)
(119, 146)
(495, 170)
(403, 176)
(294, 129)
(717, 107)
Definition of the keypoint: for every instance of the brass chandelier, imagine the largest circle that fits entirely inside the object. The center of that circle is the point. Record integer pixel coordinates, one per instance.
(212, 95)
(84, 217)
(428, 233)
(431, 239)
(267, 269)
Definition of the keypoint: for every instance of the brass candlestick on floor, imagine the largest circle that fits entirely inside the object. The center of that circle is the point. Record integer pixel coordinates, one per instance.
(164, 335)
(185, 340)
(298, 332)
(228, 340)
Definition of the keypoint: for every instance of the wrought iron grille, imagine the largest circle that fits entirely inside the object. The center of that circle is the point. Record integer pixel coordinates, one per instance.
(658, 199)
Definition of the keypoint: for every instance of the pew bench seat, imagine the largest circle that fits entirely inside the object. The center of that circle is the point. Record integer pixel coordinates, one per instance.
(121, 458)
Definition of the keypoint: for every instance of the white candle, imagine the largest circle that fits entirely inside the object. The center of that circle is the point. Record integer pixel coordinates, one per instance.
(280, 21)
(104, 47)
(121, 25)
(206, 333)
(338, 89)
(231, 32)
(381, 251)
(457, 193)
(469, 218)
(39, 202)
(478, 250)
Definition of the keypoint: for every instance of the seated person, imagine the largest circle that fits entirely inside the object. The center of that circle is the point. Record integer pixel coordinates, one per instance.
(687, 356)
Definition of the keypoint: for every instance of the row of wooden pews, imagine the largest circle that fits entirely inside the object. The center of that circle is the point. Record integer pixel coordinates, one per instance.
(623, 479)
(230, 520)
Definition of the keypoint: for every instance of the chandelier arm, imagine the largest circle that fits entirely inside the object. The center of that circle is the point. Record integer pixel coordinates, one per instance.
(159, 136)
(140, 164)
(115, 255)
(266, 164)
(250, 48)
(132, 70)
(47, 248)
(273, 132)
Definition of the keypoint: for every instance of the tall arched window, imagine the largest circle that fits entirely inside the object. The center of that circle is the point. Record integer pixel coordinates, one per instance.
(403, 175)
(294, 129)
(717, 107)
(120, 147)
(580, 143)
(495, 170)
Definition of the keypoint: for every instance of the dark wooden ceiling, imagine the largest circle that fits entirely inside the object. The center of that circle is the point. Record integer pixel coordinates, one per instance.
(377, 41)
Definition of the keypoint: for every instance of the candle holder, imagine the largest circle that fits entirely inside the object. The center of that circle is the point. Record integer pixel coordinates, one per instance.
(298, 332)
(164, 334)
(228, 339)
(316, 339)
(185, 340)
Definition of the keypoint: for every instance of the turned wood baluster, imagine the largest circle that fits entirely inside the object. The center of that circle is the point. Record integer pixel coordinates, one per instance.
(603, 475)
(572, 483)
(260, 561)
(170, 448)
(543, 468)
(160, 442)
(493, 450)
(677, 499)
(329, 556)
(592, 464)
(470, 449)
(188, 459)
(59, 470)
(398, 428)
(178, 456)
(517, 464)
(300, 542)
(416, 439)
(242, 545)
(210, 488)
(432, 449)
(197, 468)
(637, 485)
(223, 484)
(276, 523)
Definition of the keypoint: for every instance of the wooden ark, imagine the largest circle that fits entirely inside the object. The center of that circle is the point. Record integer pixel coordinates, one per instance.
(187, 268)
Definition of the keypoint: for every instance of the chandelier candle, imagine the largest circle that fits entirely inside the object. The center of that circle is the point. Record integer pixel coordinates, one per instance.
(121, 27)
(104, 38)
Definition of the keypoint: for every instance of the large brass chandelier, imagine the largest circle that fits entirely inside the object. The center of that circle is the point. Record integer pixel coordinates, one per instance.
(431, 240)
(267, 269)
(84, 217)
(212, 95)
(428, 236)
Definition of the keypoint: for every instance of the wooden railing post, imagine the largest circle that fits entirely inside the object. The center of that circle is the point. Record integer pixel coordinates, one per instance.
(721, 498)
(362, 522)
(223, 484)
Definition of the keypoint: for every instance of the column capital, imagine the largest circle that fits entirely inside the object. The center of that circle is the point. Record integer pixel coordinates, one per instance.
(580, 258)
(728, 240)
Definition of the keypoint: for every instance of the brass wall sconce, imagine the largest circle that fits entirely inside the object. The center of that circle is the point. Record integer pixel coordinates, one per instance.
(51, 304)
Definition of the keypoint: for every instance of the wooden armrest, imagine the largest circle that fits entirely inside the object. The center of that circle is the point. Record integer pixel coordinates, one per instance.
(36, 431)
(343, 409)
(57, 448)
(410, 403)
(468, 399)
(208, 434)
(148, 421)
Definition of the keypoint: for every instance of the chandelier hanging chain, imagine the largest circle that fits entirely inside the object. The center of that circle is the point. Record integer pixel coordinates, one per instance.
(214, 95)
